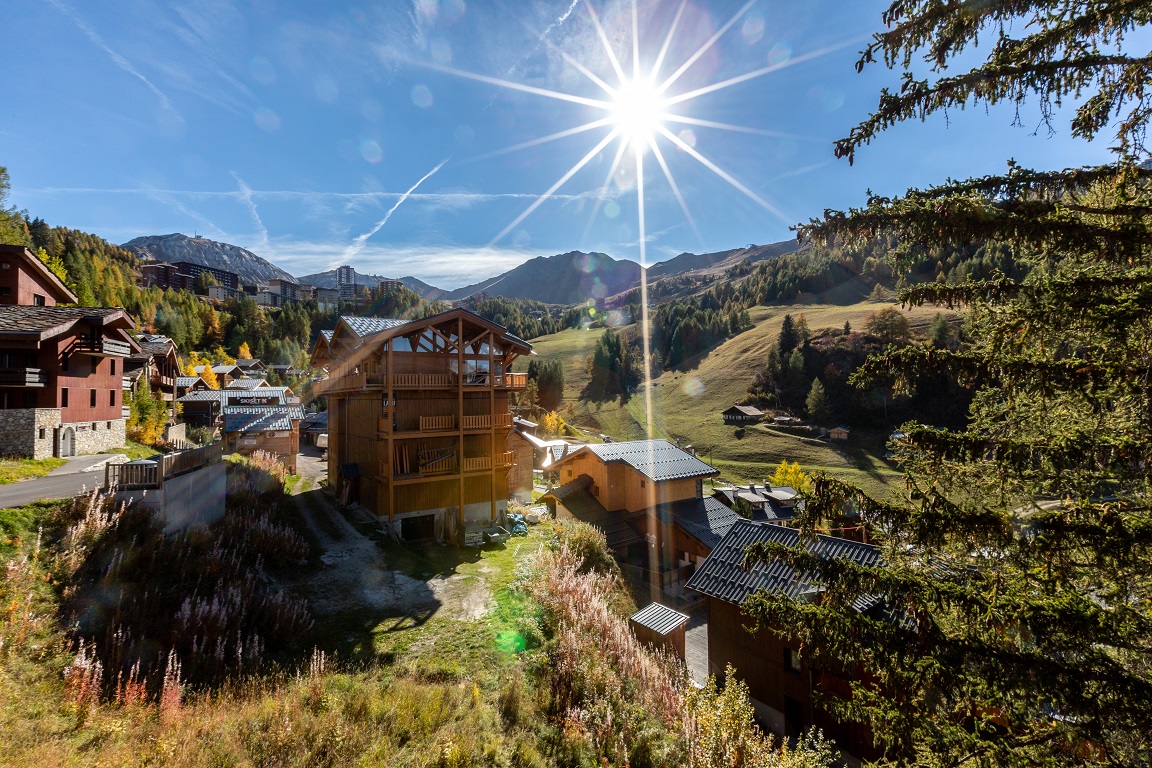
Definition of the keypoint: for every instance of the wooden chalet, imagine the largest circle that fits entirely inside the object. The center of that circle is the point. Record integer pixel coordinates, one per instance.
(62, 379)
(418, 418)
(159, 365)
(782, 679)
(742, 414)
(273, 429)
(839, 433)
(647, 497)
(660, 627)
(26, 281)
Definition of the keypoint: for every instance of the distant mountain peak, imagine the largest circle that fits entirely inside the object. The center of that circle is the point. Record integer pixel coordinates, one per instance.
(251, 268)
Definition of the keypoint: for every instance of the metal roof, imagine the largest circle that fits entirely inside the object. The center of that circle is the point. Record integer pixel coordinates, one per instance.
(248, 382)
(202, 395)
(706, 520)
(659, 618)
(366, 326)
(327, 335)
(723, 577)
(658, 460)
(187, 381)
(261, 418)
(747, 410)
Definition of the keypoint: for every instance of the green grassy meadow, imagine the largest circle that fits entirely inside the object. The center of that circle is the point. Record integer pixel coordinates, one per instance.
(687, 401)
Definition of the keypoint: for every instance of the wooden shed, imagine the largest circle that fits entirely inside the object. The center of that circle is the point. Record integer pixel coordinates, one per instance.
(839, 433)
(661, 627)
(742, 414)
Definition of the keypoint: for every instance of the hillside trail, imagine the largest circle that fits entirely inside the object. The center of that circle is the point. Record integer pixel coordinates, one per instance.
(353, 573)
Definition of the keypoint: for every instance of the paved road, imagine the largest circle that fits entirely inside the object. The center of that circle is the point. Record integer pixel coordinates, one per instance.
(61, 483)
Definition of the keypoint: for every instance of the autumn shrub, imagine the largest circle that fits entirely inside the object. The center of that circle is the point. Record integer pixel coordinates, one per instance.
(161, 610)
(256, 479)
(614, 699)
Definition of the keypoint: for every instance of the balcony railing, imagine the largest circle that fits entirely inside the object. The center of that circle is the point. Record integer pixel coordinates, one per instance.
(125, 412)
(23, 377)
(488, 422)
(439, 466)
(506, 459)
(512, 380)
(126, 382)
(423, 380)
(478, 464)
(101, 347)
(437, 423)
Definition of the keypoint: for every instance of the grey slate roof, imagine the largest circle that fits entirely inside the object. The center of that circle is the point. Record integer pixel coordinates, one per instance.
(327, 335)
(721, 576)
(658, 460)
(746, 410)
(41, 320)
(659, 618)
(187, 381)
(706, 520)
(366, 326)
(261, 418)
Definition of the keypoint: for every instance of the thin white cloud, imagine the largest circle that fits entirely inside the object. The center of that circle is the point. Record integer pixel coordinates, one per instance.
(357, 244)
(246, 198)
(117, 59)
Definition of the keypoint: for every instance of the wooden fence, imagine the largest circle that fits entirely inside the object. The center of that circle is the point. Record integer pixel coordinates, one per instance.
(127, 477)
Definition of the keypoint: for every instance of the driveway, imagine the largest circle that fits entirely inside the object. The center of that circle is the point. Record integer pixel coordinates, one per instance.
(81, 473)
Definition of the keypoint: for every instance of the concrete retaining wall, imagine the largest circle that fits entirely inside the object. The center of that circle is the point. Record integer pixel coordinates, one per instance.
(194, 499)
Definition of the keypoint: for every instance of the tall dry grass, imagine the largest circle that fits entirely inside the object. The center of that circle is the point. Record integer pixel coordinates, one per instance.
(619, 701)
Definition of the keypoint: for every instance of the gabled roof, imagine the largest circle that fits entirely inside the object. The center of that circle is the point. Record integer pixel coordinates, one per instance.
(723, 577)
(39, 323)
(658, 460)
(327, 335)
(366, 326)
(187, 381)
(203, 395)
(247, 363)
(62, 293)
(316, 421)
(706, 520)
(222, 368)
(746, 410)
(247, 382)
(261, 418)
(659, 618)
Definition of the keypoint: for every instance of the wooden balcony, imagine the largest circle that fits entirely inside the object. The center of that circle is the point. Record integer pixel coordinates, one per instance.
(444, 466)
(101, 347)
(478, 464)
(500, 420)
(350, 382)
(512, 380)
(423, 380)
(437, 423)
(504, 460)
(23, 377)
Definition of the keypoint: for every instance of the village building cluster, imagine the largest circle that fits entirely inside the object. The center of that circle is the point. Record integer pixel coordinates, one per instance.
(419, 429)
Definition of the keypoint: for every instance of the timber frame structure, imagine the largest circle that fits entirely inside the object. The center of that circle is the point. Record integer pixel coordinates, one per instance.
(421, 409)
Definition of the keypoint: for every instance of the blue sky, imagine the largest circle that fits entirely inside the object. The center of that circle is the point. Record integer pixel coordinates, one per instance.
(297, 129)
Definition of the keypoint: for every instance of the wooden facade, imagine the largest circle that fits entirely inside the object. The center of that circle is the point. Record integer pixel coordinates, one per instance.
(25, 281)
(421, 410)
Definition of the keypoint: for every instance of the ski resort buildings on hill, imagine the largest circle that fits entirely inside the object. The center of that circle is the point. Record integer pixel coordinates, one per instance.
(418, 418)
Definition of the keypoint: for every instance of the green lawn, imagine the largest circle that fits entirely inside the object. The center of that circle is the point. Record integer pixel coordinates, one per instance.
(134, 450)
(13, 469)
(687, 401)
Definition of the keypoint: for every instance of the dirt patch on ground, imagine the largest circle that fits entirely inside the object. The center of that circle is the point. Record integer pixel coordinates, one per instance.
(354, 574)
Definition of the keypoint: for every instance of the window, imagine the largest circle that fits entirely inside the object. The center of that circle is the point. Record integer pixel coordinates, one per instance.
(65, 360)
(643, 483)
(569, 473)
(112, 366)
(700, 488)
(38, 300)
(595, 490)
(43, 434)
(792, 659)
(64, 397)
(91, 398)
(5, 290)
(112, 397)
(108, 425)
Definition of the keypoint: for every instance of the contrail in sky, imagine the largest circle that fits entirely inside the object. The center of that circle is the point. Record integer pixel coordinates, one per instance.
(246, 198)
(358, 244)
(119, 60)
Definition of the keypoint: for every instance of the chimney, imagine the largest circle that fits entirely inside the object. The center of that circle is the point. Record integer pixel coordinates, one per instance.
(691, 450)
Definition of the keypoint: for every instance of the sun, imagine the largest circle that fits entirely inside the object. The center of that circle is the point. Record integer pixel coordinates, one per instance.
(638, 112)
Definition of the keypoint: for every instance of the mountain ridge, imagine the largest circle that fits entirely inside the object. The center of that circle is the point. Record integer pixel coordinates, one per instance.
(209, 253)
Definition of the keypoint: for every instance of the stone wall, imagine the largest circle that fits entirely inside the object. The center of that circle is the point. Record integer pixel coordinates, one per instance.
(29, 431)
(98, 436)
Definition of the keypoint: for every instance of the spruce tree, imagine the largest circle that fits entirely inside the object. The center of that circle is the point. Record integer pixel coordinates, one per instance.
(1017, 566)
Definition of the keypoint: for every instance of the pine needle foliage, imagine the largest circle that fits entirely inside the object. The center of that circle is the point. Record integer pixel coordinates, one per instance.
(1018, 563)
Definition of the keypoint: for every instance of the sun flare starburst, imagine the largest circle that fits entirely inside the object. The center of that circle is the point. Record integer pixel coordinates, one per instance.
(637, 113)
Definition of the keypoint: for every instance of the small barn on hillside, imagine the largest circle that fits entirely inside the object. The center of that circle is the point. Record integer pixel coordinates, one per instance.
(661, 627)
(742, 414)
(839, 433)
